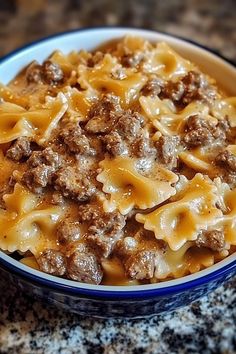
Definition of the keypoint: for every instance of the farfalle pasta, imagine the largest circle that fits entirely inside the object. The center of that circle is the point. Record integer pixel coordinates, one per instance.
(129, 189)
(193, 209)
(17, 122)
(119, 165)
(25, 225)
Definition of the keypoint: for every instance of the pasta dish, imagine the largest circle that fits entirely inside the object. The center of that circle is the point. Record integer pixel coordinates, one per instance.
(118, 166)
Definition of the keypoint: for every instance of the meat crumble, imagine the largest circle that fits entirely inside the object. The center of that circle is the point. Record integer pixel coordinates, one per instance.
(211, 239)
(49, 73)
(20, 149)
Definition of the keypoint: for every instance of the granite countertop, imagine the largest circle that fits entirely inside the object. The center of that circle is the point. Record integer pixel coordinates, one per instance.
(208, 325)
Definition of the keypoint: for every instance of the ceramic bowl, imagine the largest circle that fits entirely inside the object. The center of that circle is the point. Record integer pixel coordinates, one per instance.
(117, 301)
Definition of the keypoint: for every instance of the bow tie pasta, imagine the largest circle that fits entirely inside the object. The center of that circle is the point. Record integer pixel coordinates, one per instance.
(25, 225)
(179, 221)
(129, 189)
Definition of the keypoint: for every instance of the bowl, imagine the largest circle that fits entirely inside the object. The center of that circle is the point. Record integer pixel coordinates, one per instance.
(117, 301)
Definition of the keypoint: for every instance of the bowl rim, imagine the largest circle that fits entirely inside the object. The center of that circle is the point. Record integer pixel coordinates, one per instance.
(220, 269)
(95, 28)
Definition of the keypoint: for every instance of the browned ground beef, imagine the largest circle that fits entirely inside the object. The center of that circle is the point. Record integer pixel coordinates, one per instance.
(211, 239)
(77, 142)
(52, 73)
(114, 144)
(46, 157)
(141, 265)
(142, 147)
(173, 90)
(129, 124)
(229, 177)
(140, 254)
(72, 184)
(104, 229)
(42, 166)
(49, 73)
(200, 131)
(84, 267)
(20, 149)
(153, 87)
(103, 114)
(68, 230)
(193, 86)
(34, 73)
(227, 160)
(38, 178)
(6, 188)
(52, 262)
(128, 136)
(57, 198)
(166, 146)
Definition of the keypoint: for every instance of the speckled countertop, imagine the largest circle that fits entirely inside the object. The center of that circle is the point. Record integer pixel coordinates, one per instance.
(207, 326)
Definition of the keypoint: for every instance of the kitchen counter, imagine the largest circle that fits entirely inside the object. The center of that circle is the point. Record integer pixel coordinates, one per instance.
(208, 325)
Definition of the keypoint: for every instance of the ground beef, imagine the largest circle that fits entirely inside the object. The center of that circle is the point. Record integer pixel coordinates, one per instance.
(200, 131)
(129, 124)
(227, 160)
(211, 239)
(49, 73)
(141, 265)
(104, 229)
(114, 144)
(42, 166)
(76, 141)
(173, 91)
(52, 73)
(141, 147)
(132, 60)
(104, 232)
(193, 86)
(166, 146)
(6, 188)
(230, 178)
(52, 262)
(68, 230)
(20, 149)
(103, 114)
(126, 246)
(84, 267)
(34, 73)
(57, 198)
(127, 136)
(199, 137)
(196, 122)
(71, 184)
(46, 157)
(197, 87)
(89, 212)
(38, 178)
(153, 87)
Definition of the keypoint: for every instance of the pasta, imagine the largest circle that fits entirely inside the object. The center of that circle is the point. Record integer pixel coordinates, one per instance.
(17, 122)
(25, 227)
(129, 189)
(119, 165)
(193, 209)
